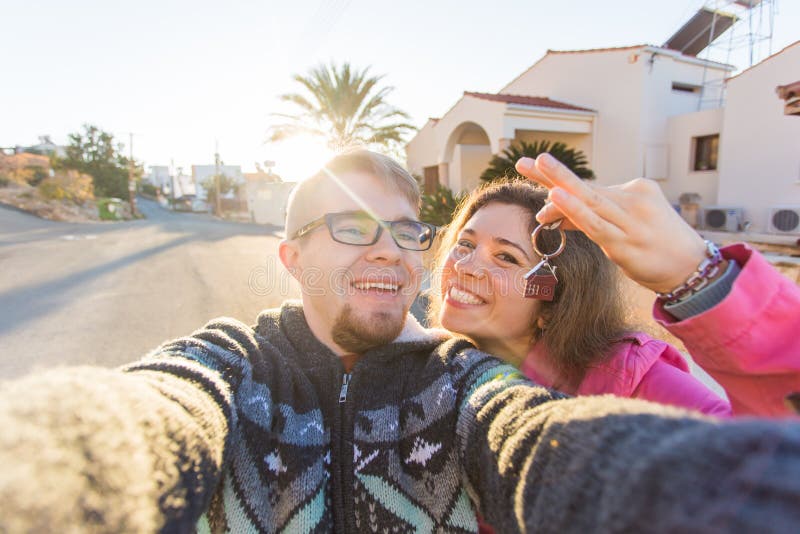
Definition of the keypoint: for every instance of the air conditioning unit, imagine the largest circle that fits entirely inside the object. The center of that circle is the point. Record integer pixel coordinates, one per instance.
(784, 220)
(723, 218)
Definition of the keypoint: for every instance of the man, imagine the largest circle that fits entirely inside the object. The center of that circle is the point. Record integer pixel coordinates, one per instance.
(342, 414)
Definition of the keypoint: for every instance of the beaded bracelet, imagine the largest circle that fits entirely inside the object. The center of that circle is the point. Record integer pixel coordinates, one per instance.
(707, 270)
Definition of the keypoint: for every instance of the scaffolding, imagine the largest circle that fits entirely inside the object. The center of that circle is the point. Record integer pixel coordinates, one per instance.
(721, 29)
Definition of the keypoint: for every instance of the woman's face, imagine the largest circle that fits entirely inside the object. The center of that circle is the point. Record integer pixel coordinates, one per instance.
(483, 281)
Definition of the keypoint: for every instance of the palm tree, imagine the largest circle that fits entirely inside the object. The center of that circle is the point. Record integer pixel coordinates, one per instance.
(345, 106)
(502, 165)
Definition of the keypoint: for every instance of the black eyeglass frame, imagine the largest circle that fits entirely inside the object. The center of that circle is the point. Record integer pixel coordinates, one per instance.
(328, 219)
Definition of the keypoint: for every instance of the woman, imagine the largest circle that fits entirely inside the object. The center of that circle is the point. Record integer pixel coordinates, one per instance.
(579, 342)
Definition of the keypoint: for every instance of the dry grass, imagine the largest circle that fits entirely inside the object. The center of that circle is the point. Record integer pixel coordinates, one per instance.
(640, 312)
(29, 199)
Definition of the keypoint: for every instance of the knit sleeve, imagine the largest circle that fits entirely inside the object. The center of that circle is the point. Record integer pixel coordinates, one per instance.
(604, 464)
(97, 450)
(139, 449)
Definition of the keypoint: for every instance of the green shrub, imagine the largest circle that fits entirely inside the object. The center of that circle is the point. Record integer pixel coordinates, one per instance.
(438, 207)
(501, 166)
(148, 189)
(109, 209)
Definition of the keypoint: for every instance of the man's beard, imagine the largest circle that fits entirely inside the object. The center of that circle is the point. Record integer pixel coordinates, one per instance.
(358, 335)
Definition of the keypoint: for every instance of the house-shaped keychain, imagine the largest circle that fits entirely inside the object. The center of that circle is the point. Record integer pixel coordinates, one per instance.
(541, 285)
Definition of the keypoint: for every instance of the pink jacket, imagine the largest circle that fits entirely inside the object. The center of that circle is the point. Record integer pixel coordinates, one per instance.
(749, 343)
(644, 368)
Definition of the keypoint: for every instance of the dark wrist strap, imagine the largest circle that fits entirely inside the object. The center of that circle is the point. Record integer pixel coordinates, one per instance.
(706, 298)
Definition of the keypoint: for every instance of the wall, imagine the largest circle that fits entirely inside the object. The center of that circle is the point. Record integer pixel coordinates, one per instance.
(469, 162)
(465, 115)
(158, 176)
(471, 121)
(421, 151)
(760, 146)
(630, 88)
(606, 82)
(266, 202)
(660, 101)
(682, 176)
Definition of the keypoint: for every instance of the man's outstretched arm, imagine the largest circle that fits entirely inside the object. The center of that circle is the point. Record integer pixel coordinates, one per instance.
(133, 450)
(606, 464)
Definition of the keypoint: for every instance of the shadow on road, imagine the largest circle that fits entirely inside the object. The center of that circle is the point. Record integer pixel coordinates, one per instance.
(32, 301)
(22, 304)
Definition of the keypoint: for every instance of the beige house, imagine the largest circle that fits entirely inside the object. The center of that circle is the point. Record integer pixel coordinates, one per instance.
(759, 166)
(638, 111)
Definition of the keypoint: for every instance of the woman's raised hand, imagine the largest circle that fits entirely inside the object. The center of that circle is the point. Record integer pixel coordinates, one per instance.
(633, 223)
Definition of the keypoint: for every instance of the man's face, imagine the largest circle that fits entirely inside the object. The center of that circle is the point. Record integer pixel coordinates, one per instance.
(357, 297)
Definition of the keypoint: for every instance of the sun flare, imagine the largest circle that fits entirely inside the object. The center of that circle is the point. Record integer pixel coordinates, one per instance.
(297, 158)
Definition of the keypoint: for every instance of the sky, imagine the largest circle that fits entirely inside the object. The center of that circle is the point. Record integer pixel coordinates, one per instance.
(188, 77)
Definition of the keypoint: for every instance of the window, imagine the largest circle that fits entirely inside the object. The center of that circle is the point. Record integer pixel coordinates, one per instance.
(705, 152)
(686, 88)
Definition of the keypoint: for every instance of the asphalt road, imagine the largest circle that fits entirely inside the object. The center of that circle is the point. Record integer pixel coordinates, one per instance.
(106, 293)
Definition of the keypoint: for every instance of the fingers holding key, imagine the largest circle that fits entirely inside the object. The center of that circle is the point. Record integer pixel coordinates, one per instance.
(527, 168)
(551, 173)
(633, 223)
(581, 216)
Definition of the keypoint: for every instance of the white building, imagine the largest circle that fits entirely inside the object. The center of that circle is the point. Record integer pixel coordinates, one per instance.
(47, 147)
(759, 154)
(159, 176)
(267, 197)
(184, 186)
(636, 111)
(203, 173)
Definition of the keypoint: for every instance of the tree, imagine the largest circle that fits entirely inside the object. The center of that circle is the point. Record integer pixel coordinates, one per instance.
(502, 165)
(95, 153)
(346, 107)
(226, 185)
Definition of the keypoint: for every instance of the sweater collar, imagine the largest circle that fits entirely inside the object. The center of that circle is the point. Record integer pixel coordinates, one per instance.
(288, 330)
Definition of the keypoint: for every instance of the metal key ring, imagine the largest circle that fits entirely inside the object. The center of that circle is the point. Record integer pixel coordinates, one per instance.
(552, 226)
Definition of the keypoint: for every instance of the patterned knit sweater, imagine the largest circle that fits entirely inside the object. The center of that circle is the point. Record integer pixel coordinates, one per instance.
(260, 430)
(317, 449)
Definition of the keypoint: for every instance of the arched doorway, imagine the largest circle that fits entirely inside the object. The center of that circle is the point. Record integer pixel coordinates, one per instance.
(467, 153)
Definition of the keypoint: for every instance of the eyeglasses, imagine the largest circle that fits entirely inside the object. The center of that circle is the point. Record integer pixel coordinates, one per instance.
(361, 229)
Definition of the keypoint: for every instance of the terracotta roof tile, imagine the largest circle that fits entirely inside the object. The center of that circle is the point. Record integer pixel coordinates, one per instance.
(607, 49)
(538, 101)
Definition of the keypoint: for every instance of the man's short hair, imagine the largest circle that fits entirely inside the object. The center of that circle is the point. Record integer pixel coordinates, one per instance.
(300, 206)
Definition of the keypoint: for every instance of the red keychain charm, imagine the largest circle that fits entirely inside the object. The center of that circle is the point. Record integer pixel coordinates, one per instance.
(540, 282)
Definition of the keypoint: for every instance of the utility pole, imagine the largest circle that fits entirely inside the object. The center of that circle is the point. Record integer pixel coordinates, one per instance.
(131, 181)
(217, 202)
(177, 173)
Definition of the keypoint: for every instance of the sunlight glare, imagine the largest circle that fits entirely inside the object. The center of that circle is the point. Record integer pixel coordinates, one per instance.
(298, 157)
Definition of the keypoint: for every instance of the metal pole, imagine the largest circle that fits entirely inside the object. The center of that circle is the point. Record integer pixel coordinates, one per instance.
(131, 182)
(218, 204)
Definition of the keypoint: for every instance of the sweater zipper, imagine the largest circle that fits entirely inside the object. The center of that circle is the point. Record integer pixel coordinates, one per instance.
(346, 455)
(345, 384)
